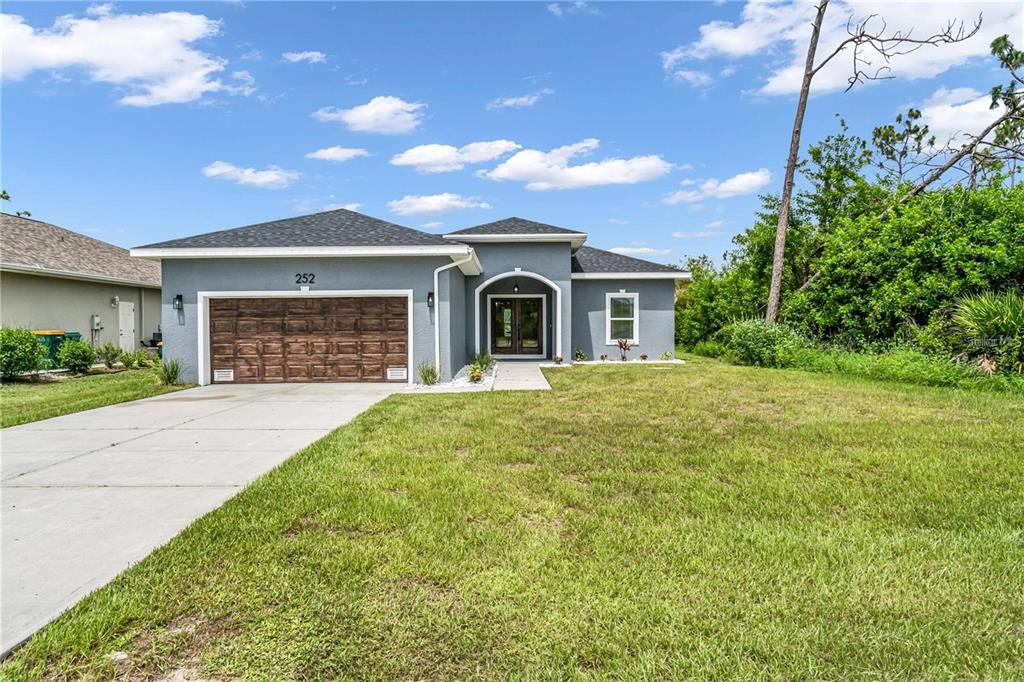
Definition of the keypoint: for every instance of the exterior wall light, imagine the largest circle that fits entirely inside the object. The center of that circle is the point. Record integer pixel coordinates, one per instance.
(178, 303)
(430, 299)
(115, 301)
(515, 286)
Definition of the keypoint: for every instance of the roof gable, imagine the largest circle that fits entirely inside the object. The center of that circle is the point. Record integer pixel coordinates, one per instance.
(517, 226)
(34, 246)
(338, 228)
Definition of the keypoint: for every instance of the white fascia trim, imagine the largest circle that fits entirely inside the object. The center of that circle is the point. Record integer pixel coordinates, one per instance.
(574, 238)
(632, 275)
(310, 251)
(203, 316)
(70, 274)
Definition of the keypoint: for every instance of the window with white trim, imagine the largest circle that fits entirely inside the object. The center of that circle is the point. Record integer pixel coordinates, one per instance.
(621, 317)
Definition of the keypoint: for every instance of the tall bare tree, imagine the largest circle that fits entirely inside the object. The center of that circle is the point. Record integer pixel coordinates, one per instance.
(866, 42)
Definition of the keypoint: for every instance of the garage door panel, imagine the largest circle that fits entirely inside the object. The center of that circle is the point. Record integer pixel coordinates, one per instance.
(309, 339)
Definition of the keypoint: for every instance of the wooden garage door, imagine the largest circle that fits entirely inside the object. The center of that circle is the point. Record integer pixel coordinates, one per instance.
(308, 339)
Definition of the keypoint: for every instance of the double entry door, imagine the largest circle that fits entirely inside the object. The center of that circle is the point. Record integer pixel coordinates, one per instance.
(517, 325)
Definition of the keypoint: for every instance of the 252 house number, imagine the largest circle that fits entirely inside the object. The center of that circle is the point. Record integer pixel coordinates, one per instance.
(305, 278)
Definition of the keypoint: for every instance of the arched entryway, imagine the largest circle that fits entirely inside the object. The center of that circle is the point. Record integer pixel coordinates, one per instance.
(518, 314)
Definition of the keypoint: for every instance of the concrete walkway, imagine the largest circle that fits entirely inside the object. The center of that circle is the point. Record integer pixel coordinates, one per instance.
(519, 375)
(87, 495)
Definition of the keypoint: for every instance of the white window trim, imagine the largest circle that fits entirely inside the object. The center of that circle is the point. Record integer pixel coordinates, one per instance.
(608, 317)
(543, 327)
(203, 322)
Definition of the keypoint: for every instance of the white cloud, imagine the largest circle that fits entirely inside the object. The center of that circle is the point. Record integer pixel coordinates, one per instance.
(434, 203)
(577, 7)
(311, 56)
(551, 170)
(441, 158)
(109, 48)
(617, 221)
(715, 224)
(388, 115)
(639, 251)
(273, 177)
(347, 207)
(252, 56)
(337, 154)
(737, 185)
(698, 79)
(100, 9)
(776, 33)
(433, 225)
(950, 114)
(696, 234)
(521, 101)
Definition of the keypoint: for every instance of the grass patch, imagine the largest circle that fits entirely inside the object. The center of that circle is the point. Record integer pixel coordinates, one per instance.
(28, 401)
(700, 520)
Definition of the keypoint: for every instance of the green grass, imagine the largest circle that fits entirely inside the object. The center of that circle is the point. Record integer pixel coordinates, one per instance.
(29, 401)
(637, 522)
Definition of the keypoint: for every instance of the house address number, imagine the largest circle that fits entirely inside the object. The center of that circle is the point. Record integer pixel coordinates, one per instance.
(305, 278)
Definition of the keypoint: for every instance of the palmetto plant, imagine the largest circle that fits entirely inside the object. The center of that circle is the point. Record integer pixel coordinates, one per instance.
(995, 323)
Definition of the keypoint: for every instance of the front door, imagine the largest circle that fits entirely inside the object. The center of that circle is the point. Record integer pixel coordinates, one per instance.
(126, 325)
(517, 326)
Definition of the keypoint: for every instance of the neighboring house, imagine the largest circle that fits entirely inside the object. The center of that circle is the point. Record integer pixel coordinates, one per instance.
(56, 279)
(340, 296)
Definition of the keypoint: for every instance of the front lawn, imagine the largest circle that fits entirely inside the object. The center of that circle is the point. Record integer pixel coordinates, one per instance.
(28, 401)
(636, 522)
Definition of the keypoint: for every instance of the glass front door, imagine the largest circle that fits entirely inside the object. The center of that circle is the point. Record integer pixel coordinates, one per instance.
(517, 326)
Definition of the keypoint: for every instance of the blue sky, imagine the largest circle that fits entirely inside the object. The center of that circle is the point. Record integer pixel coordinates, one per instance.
(652, 126)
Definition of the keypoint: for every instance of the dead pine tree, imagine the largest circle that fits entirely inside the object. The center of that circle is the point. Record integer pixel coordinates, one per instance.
(868, 40)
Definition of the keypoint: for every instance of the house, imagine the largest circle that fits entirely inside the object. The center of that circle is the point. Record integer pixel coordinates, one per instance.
(341, 296)
(56, 279)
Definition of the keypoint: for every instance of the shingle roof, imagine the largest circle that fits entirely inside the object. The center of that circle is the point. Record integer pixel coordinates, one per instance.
(330, 228)
(514, 226)
(589, 259)
(32, 244)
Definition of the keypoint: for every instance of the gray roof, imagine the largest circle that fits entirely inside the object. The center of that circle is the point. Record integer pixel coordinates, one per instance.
(330, 228)
(35, 245)
(589, 259)
(514, 226)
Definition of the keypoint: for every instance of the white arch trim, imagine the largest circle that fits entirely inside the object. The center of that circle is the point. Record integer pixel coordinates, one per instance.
(556, 317)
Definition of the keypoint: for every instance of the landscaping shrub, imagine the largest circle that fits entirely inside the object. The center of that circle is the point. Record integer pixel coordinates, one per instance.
(993, 324)
(429, 374)
(709, 349)
(76, 356)
(484, 360)
(476, 373)
(109, 354)
(168, 372)
(753, 342)
(20, 352)
(578, 355)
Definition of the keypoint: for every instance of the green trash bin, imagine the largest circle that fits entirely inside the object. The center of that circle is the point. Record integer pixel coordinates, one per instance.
(51, 340)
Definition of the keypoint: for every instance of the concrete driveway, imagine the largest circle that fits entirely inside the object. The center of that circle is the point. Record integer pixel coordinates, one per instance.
(88, 494)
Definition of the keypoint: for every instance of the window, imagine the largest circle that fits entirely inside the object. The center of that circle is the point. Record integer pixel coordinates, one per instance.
(620, 318)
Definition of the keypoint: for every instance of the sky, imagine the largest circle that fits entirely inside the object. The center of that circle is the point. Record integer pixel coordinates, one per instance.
(651, 126)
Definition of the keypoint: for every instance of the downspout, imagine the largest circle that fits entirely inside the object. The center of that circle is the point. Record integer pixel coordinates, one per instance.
(437, 306)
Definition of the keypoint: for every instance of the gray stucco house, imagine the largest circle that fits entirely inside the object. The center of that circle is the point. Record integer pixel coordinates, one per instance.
(58, 280)
(341, 296)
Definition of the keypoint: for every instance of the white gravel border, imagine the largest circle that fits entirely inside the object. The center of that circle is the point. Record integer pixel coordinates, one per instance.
(459, 384)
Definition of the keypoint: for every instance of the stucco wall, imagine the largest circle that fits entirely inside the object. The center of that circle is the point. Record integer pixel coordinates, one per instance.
(454, 295)
(40, 302)
(551, 260)
(657, 317)
(187, 277)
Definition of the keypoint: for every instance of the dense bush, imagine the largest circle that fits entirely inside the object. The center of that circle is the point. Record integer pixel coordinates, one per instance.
(109, 354)
(20, 352)
(168, 372)
(993, 326)
(76, 356)
(709, 348)
(753, 342)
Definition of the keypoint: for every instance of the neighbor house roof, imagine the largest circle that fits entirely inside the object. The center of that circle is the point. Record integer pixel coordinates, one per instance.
(589, 262)
(34, 247)
(330, 228)
(339, 233)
